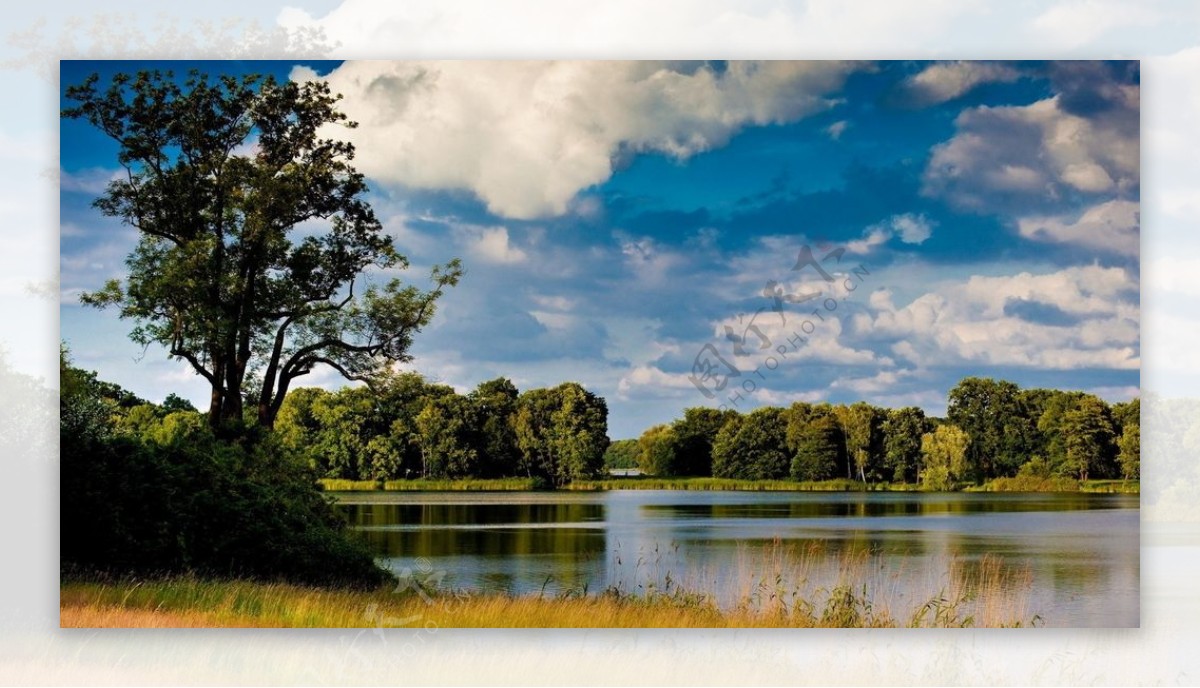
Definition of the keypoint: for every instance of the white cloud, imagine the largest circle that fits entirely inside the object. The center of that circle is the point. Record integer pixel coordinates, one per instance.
(491, 244)
(649, 261)
(824, 342)
(1112, 226)
(836, 129)
(945, 81)
(970, 321)
(526, 137)
(1014, 156)
(873, 237)
(910, 228)
(649, 381)
(883, 381)
(93, 180)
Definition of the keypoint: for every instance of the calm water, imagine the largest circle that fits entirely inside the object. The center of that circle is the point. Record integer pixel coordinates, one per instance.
(1079, 551)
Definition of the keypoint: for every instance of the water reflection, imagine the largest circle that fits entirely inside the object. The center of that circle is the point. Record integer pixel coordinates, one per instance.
(1078, 553)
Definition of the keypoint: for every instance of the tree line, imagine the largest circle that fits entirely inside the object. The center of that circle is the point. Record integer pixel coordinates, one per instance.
(406, 427)
(993, 429)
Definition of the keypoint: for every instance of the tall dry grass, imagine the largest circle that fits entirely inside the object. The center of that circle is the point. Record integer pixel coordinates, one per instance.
(777, 586)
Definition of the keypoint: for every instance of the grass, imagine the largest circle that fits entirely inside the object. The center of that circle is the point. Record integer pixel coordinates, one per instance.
(732, 484)
(782, 589)
(643, 482)
(430, 485)
(1022, 483)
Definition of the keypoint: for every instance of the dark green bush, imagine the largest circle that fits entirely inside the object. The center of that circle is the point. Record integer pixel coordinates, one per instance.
(197, 504)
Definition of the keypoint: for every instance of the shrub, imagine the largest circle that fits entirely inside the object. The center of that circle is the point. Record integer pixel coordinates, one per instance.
(197, 504)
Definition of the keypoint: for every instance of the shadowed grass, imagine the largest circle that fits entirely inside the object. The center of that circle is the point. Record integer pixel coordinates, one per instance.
(429, 485)
(733, 485)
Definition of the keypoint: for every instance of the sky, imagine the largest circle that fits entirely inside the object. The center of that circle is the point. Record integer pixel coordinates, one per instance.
(662, 232)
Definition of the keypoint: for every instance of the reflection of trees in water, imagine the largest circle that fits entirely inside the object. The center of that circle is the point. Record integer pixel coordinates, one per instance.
(841, 505)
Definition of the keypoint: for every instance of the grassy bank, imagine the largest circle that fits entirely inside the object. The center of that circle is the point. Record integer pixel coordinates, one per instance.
(980, 595)
(730, 484)
(1057, 484)
(428, 485)
(1018, 484)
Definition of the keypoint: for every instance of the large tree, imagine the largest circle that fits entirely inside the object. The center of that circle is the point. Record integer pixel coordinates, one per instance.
(902, 431)
(1089, 438)
(218, 176)
(753, 447)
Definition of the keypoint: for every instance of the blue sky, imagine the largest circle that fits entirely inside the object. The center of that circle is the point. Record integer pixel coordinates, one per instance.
(615, 218)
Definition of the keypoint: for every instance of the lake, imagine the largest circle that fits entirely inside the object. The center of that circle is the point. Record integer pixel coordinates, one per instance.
(1072, 559)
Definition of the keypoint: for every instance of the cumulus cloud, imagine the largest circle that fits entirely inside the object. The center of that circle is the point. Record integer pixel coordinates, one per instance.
(910, 228)
(93, 180)
(975, 321)
(492, 245)
(836, 129)
(1018, 157)
(990, 320)
(945, 81)
(649, 381)
(526, 137)
(1112, 227)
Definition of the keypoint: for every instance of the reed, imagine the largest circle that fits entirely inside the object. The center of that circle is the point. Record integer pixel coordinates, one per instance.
(777, 586)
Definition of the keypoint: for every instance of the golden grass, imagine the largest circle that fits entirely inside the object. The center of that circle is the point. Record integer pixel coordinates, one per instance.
(775, 589)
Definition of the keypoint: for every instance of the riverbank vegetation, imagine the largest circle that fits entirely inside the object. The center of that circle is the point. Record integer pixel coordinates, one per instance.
(995, 435)
(982, 593)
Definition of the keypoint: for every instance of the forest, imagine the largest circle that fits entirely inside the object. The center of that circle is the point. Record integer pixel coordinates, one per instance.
(405, 427)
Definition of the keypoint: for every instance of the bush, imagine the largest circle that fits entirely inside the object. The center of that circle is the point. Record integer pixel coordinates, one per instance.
(196, 504)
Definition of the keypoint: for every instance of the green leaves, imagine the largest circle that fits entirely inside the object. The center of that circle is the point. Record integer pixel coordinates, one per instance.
(219, 173)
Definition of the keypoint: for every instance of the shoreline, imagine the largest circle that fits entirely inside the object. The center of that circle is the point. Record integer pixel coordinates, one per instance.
(712, 485)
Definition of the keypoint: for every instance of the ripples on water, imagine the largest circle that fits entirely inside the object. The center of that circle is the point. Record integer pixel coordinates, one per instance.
(1070, 558)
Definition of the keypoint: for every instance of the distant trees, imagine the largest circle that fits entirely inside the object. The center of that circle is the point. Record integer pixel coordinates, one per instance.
(622, 454)
(406, 427)
(902, 430)
(945, 454)
(753, 447)
(818, 448)
(659, 451)
(1089, 438)
(995, 430)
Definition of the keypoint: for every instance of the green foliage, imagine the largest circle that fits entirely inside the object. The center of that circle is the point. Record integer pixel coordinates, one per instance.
(1089, 438)
(902, 432)
(1130, 455)
(178, 499)
(622, 454)
(818, 448)
(945, 452)
(562, 433)
(658, 451)
(997, 419)
(448, 439)
(862, 427)
(217, 277)
(696, 433)
(579, 434)
(495, 403)
(753, 447)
